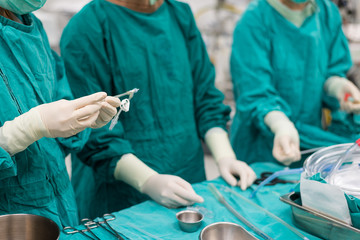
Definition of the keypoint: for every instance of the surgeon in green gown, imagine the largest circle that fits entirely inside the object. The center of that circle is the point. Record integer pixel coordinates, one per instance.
(37, 129)
(155, 150)
(289, 60)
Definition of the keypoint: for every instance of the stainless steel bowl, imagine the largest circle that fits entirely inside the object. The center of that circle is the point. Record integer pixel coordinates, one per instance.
(189, 220)
(225, 230)
(27, 227)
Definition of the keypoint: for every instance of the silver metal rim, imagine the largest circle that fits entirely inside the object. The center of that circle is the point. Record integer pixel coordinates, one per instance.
(192, 211)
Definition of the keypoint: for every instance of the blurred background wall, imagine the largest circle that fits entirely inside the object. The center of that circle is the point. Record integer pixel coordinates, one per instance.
(216, 20)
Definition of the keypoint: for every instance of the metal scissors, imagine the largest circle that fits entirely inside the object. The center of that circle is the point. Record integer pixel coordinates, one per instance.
(265, 175)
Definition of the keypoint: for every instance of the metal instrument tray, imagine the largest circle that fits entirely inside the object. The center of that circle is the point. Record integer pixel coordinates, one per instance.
(317, 223)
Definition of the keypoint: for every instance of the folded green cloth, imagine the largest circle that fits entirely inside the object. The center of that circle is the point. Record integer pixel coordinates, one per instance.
(354, 207)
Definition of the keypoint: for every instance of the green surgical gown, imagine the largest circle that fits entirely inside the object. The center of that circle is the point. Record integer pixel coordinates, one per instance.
(35, 180)
(111, 48)
(276, 66)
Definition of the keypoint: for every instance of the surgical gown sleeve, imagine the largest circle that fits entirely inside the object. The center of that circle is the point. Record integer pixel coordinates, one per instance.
(339, 56)
(88, 69)
(251, 72)
(209, 110)
(339, 53)
(7, 165)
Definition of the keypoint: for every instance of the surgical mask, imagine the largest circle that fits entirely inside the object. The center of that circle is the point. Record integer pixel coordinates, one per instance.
(299, 1)
(22, 7)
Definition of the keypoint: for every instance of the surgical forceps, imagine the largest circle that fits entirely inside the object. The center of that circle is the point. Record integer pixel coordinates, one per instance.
(71, 230)
(123, 106)
(91, 224)
(108, 217)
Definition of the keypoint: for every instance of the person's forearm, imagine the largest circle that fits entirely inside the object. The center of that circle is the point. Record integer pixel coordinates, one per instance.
(278, 122)
(18, 134)
(133, 171)
(219, 145)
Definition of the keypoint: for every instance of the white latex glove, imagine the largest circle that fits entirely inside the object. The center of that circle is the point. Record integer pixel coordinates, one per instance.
(231, 168)
(107, 111)
(62, 118)
(343, 89)
(65, 118)
(170, 191)
(218, 142)
(286, 141)
(167, 190)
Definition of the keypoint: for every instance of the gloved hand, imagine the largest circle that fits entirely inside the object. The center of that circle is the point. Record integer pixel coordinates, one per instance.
(65, 118)
(286, 147)
(62, 118)
(342, 89)
(107, 111)
(167, 190)
(170, 191)
(218, 142)
(230, 168)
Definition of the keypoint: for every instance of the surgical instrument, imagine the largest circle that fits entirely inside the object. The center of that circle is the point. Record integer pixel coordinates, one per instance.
(294, 230)
(90, 224)
(265, 175)
(130, 93)
(222, 200)
(124, 106)
(71, 230)
(275, 175)
(310, 150)
(110, 230)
